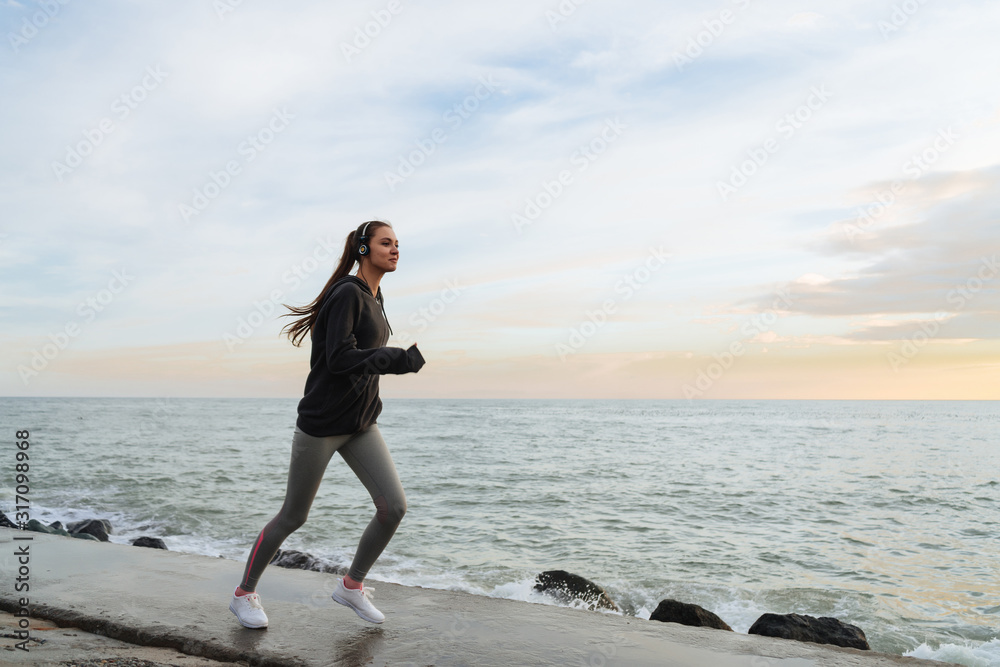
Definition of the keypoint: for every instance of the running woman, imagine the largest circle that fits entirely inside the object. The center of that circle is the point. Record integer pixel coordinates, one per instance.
(349, 329)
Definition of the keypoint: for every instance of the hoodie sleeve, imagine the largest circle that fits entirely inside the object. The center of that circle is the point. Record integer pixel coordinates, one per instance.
(342, 353)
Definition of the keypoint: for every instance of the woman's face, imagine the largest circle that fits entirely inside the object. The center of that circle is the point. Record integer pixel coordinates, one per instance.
(383, 250)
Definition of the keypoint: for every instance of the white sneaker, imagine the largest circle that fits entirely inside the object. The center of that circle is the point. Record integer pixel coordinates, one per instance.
(249, 610)
(359, 601)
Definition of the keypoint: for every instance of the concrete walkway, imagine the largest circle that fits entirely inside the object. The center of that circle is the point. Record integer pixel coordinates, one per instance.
(102, 587)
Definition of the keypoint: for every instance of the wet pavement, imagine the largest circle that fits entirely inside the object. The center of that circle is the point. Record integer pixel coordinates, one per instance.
(181, 601)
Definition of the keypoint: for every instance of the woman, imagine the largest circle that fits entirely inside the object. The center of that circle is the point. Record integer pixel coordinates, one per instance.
(349, 330)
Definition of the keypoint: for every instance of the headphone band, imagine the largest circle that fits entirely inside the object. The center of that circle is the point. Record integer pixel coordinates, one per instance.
(363, 241)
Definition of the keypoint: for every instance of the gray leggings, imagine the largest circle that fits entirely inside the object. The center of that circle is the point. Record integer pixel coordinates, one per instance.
(368, 456)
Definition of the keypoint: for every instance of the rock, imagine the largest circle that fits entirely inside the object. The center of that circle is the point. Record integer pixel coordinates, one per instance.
(672, 611)
(39, 527)
(57, 525)
(568, 588)
(99, 528)
(824, 630)
(150, 542)
(299, 560)
(56, 529)
(84, 536)
(5, 522)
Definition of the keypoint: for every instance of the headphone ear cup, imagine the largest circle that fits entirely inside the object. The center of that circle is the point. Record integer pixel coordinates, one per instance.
(363, 241)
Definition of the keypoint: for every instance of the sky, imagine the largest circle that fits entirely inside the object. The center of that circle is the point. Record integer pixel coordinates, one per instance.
(677, 200)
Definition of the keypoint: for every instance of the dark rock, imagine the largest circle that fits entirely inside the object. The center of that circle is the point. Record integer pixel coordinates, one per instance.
(568, 588)
(99, 528)
(83, 536)
(672, 611)
(824, 630)
(39, 527)
(5, 522)
(298, 560)
(151, 542)
(57, 525)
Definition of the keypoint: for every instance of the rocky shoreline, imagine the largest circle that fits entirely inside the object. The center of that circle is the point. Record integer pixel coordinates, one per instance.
(563, 587)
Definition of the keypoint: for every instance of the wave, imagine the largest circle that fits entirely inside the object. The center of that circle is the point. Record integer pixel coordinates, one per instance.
(986, 654)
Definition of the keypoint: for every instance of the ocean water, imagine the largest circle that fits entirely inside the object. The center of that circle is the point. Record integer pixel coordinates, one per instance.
(883, 514)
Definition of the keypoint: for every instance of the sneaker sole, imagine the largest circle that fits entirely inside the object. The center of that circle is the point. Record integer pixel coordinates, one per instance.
(356, 610)
(246, 625)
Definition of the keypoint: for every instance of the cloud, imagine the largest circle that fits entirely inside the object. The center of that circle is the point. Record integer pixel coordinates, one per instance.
(357, 117)
(945, 262)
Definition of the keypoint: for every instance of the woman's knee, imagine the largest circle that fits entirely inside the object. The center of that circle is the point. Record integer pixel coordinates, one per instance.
(398, 509)
(390, 511)
(292, 521)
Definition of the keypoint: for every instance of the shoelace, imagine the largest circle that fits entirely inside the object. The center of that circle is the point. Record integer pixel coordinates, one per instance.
(254, 600)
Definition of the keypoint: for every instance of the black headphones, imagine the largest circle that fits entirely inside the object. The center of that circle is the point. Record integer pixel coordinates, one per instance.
(363, 247)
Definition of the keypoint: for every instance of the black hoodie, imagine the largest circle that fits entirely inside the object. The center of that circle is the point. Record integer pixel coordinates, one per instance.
(348, 355)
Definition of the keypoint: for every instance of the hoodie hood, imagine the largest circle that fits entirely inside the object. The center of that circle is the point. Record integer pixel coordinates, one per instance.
(367, 290)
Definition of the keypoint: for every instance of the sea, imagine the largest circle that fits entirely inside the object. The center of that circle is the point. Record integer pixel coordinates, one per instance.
(883, 514)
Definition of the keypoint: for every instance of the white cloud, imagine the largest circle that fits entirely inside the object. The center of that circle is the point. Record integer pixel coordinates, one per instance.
(686, 130)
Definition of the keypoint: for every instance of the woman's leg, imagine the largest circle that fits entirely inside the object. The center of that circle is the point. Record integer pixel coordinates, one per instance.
(369, 458)
(310, 456)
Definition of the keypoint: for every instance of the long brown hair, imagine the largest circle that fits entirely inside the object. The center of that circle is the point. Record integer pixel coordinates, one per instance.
(298, 329)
